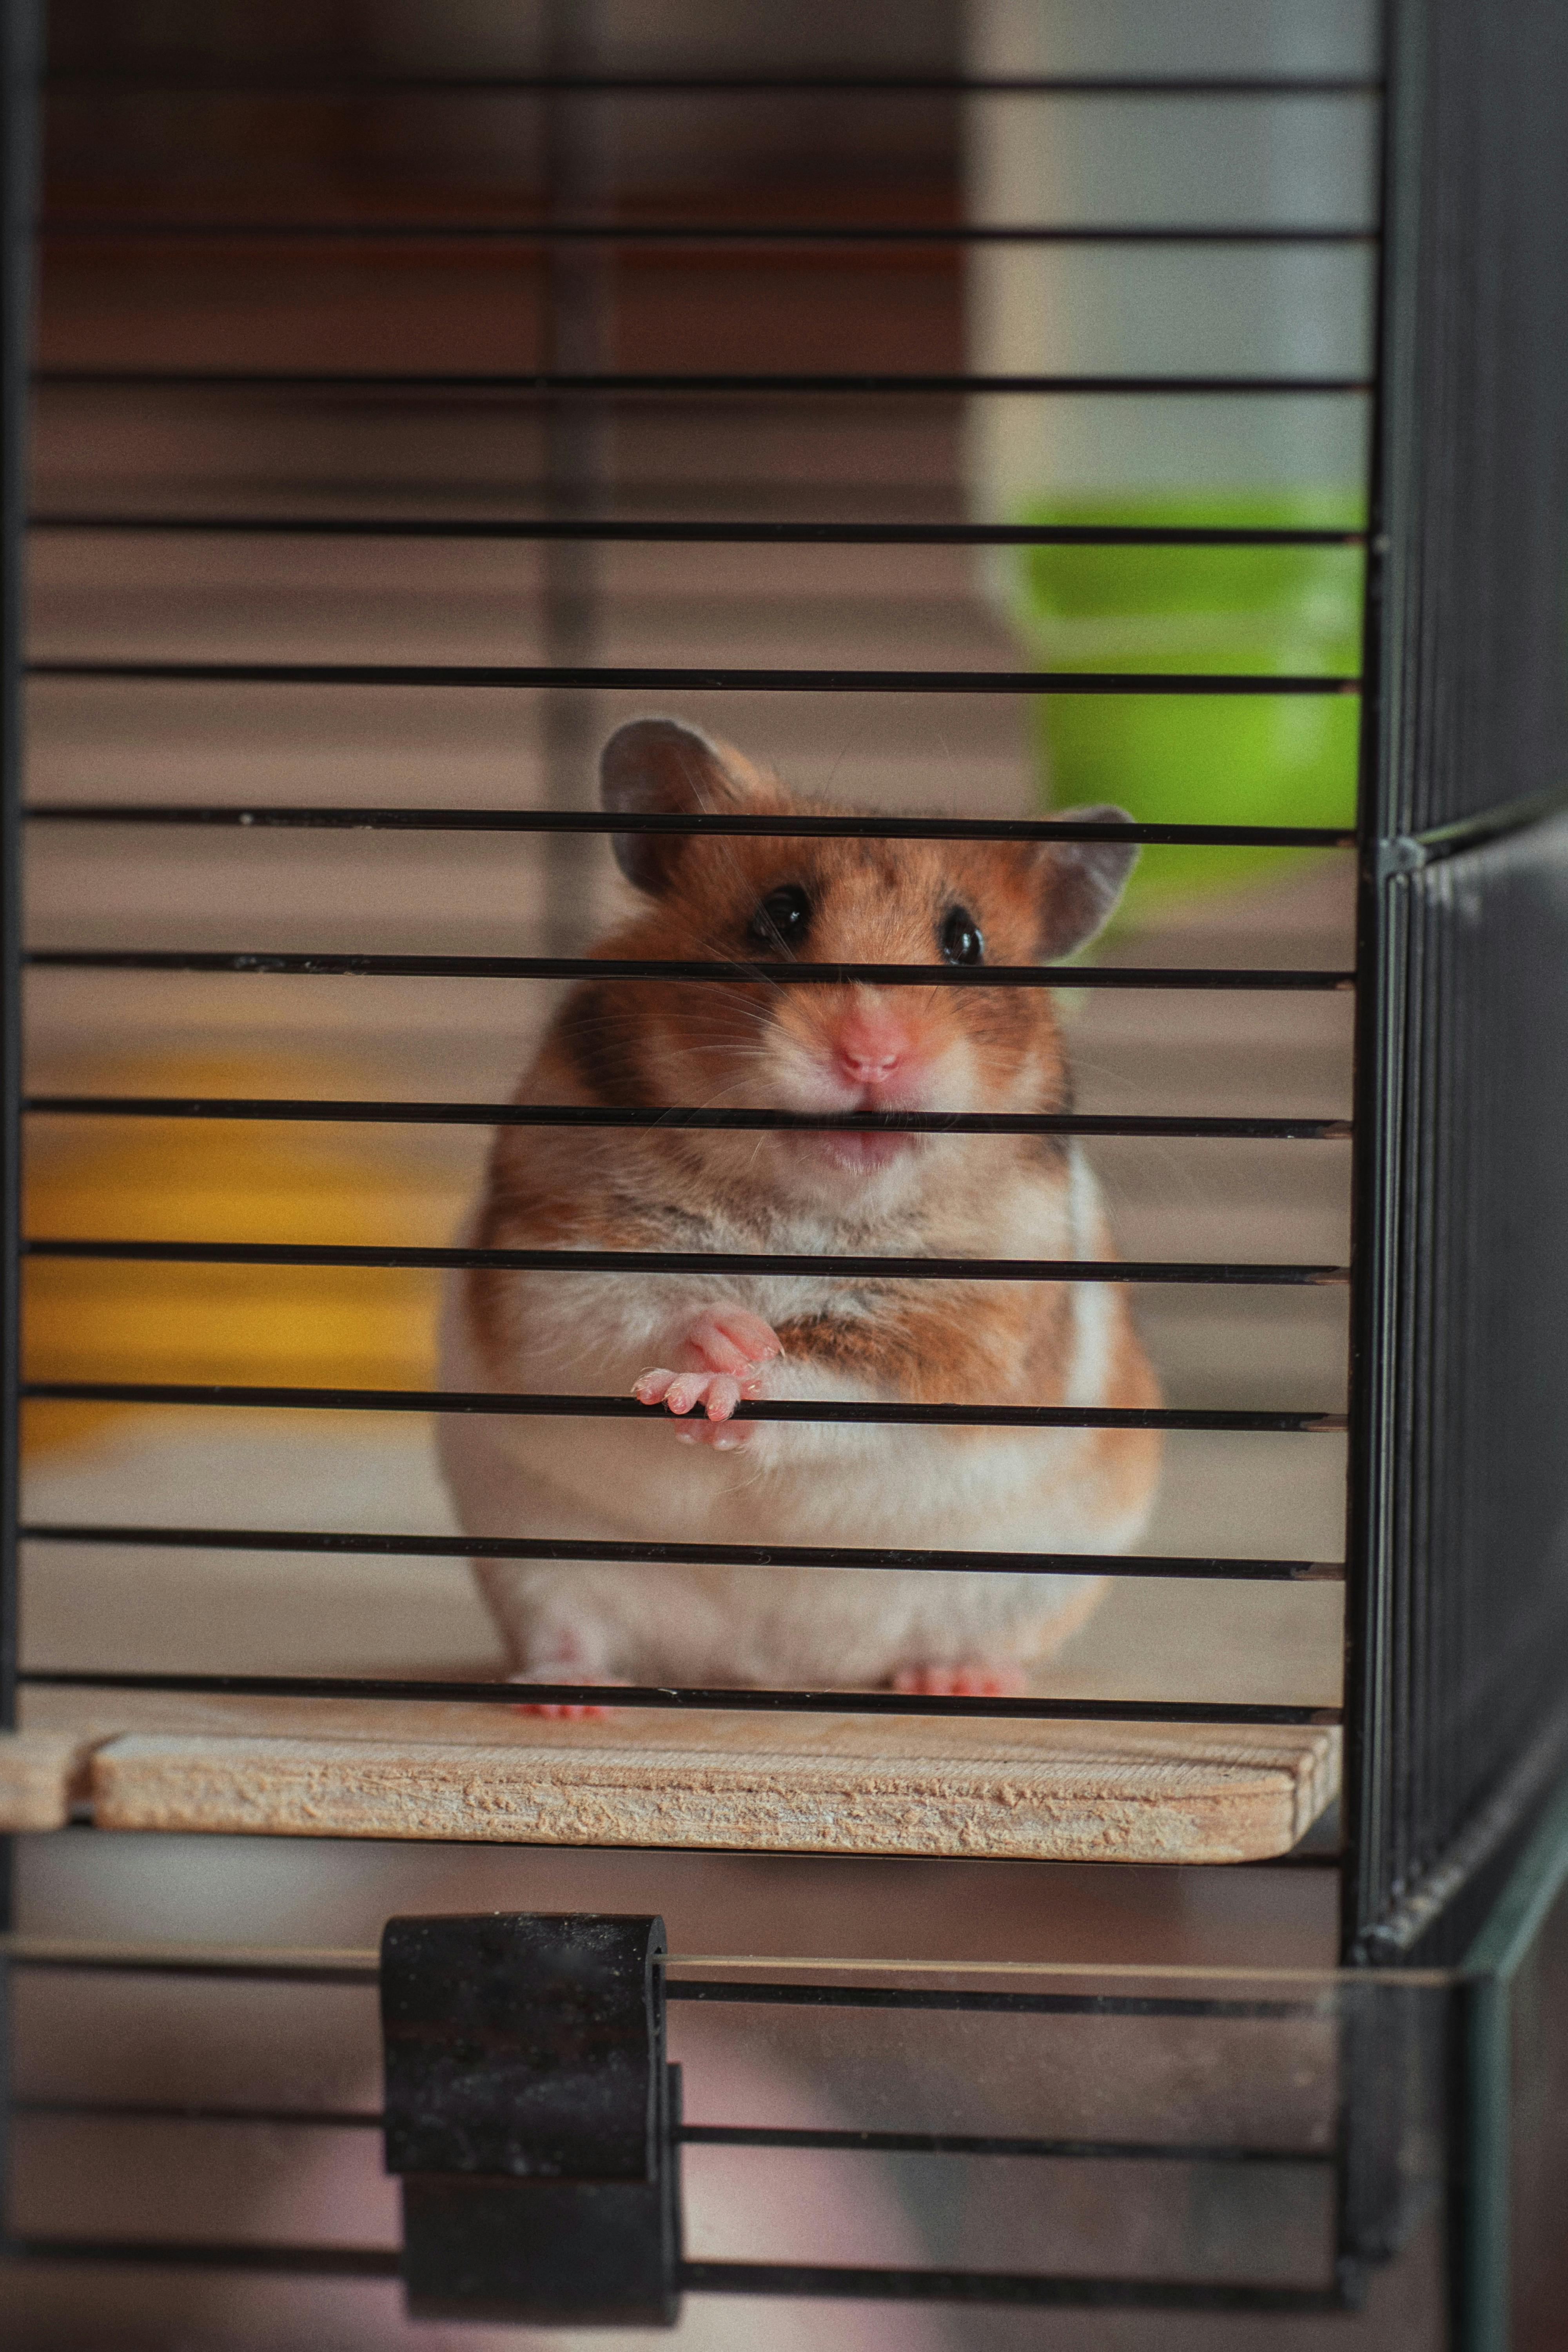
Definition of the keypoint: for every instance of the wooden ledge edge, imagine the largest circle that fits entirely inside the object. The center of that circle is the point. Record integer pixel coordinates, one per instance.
(1052, 1808)
(43, 1774)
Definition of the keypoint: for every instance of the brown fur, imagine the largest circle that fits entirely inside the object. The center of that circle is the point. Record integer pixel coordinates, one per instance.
(752, 1043)
(633, 1042)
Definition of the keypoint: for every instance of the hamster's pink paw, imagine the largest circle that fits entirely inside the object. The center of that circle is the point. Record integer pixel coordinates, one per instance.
(728, 1339)
(723, 1357)
(563, 1670)
(973, 1678)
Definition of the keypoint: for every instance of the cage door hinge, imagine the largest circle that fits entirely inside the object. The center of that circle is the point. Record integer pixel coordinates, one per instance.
(532, 2117)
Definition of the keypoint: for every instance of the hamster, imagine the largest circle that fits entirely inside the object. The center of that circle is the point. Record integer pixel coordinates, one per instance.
(700, 1346)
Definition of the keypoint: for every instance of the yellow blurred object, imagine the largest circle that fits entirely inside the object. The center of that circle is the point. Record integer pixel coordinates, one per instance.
(205, 1179)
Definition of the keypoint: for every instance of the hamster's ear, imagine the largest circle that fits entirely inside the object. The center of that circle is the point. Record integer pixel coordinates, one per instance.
(1082, 881)
(657, 767)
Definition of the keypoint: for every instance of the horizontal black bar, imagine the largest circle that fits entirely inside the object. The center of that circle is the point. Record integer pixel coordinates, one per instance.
(199, 2255)
(739, 1993)
(862, 827)
(839, 2282)
(821, 2280)
(553, 385)
(613, 1408)
(726, 1699)
(284, 1966)
(876, 2143)
(913, 2142)
(744, 1993)
(1154, 1126)
(315, 964)
(132, 78)
(518, 675)
(125, 228)
(681, 1555)
(590, 1260)
(616, 529)
(250, 1967)
(176, 1964)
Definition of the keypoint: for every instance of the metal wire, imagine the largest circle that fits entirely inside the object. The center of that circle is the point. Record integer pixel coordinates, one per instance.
(129, 78)
(123, 229)
(592, 1114)
(724, 1698)
(313, 963)
(715, 822)
(835, 1411)
(283, 1964)
(869, 2143)
(682, 1555)
(822, 2280)
(601, 1261)
(552, 384)
(222, 1959)
(1022, 2288)
(647, 678)
(619, 530)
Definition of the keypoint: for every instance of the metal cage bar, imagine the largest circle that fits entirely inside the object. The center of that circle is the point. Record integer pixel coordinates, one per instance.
(1459, 1586)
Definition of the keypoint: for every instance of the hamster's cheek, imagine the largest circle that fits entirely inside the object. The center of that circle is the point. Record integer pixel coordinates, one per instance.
(953, 1076)
(794, 1071)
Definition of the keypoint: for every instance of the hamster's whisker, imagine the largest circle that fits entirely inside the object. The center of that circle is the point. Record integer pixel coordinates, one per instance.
(719, 954)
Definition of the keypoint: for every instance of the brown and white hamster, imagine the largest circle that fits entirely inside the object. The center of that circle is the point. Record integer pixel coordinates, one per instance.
(703, 1345)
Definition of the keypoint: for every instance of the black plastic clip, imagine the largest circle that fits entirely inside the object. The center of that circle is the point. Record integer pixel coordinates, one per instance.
(532, 2117)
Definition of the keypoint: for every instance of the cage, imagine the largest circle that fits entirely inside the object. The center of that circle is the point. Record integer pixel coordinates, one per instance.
(974, 413)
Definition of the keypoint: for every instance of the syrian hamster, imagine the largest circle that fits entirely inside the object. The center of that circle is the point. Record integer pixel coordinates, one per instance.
(700, 1346)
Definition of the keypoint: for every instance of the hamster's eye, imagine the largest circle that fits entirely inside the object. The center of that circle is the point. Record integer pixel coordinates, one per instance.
(783, 918)
(961, 939)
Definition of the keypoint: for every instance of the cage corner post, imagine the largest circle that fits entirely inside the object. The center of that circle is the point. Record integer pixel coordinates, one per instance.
(21, 34)
(1376, 1133)
(1459, 1627)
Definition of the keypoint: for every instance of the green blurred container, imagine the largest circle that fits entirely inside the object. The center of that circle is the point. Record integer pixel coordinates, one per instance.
(1196, 759)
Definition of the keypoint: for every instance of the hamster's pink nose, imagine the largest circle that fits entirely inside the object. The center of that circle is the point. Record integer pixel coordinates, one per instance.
(869, 1048)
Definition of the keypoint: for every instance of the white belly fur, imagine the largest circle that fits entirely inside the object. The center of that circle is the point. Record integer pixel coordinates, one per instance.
(630, 1482)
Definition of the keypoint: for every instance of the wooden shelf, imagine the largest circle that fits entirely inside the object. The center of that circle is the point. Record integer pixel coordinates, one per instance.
(813, 1784)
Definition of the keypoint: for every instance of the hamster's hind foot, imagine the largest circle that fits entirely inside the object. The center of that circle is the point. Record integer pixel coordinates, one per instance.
(973, 1678)
(721, 1357)
(564, 1670)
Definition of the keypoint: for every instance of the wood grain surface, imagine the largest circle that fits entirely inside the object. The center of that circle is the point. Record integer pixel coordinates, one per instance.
(837, 1783)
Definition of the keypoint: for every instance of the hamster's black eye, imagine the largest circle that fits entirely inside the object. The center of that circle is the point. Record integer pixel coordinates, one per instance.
(961, 939)
(783, 918)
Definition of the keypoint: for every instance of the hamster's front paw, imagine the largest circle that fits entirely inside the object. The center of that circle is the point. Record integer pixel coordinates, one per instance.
(971, 1678)
(563, 1670)
(722, 1357)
